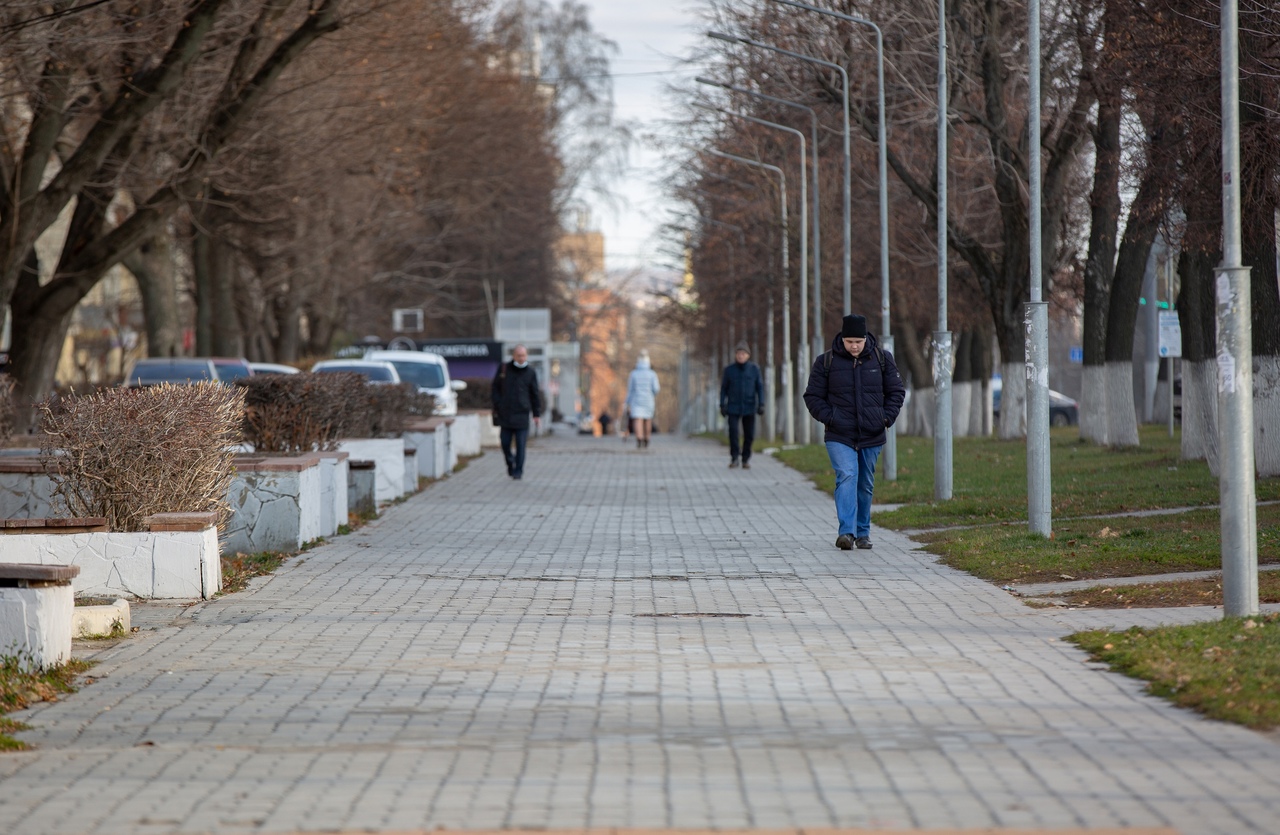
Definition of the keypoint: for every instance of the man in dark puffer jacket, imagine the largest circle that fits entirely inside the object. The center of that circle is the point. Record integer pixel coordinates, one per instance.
(741, 399)
(855, 391)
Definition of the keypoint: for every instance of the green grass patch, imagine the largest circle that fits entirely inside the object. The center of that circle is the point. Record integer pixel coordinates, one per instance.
(239, 568)
(989, 479)
(20, 686)
(1202, 592)
(1084, 549)
(1227, 669)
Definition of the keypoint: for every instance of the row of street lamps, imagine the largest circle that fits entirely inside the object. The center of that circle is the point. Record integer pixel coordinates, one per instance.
(1239, 535)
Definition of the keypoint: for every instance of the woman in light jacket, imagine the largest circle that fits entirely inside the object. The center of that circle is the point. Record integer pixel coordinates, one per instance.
(642, 390)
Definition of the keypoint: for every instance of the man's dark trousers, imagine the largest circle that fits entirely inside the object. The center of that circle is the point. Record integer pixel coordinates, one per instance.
(515, 462)
(748, 435)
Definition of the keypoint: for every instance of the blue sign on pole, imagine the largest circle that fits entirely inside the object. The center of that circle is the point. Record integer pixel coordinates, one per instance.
(1077, 355)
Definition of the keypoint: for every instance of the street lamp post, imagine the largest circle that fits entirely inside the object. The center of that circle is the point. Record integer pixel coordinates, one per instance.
(886, 335)
(788, 394)
(844, 78)
(805, 435)
(1039, 486)
(816, 342)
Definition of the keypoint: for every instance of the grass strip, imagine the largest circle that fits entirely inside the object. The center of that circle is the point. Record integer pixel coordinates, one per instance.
(1086, 549)
(990, 479)
(1227, 669)
(1203, 592)
(21, 686)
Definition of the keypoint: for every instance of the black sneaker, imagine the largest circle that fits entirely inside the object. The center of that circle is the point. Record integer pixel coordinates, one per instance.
(844, 541)
(864, 542)
(733, 465)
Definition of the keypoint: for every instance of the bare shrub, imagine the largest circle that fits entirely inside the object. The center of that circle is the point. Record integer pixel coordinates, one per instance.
(303, 412)
(125, 454)
(293, 413)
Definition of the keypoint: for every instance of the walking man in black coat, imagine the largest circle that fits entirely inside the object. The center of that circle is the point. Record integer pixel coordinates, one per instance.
(855, 391)
(741, 399)
(515, 396)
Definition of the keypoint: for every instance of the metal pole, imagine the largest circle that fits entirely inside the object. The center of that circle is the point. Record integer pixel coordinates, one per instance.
(891, 444)
(788, 389)
(815, 345)
(942, 337)
(1039, 487)
(1168, 274)
(1236, 487)
(792, 412)
(848, 170)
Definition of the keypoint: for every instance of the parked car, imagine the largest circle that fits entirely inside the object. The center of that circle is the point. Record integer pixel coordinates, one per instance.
(1063, 411)
(272, 368)
(376, 372)
(230, 368)
(180, 370)
(429, 372)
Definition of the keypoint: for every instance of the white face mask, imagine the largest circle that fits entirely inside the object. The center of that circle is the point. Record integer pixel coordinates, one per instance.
(519, 364)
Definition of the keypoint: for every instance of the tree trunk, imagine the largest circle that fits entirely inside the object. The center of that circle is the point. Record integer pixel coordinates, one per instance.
(38, 338)
(153, 266)
(228, 336)
(1100, 263)
(962, 385)
(980, 367)
(1260, 254)
(202, 267)
(1196, 315)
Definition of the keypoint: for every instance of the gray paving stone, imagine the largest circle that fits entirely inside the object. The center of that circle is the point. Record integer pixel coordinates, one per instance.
(557, 653)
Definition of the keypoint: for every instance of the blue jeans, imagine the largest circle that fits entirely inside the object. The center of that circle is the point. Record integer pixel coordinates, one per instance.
(515, 461)
(855, 480)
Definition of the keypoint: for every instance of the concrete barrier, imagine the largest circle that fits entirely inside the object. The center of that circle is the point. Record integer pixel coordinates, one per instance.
(334, 495)
(276, 504)
(176, 558)
(36, 603)
(388, 454)
(410, 470)
(465, 434)
(26, 492)
(362, 479)
(431, 438)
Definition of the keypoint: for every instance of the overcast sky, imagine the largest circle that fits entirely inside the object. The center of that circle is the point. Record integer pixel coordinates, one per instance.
(652, 35)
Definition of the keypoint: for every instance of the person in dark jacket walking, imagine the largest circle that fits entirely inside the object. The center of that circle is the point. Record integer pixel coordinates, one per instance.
(741, 399)
(855, 391)
(516, 395)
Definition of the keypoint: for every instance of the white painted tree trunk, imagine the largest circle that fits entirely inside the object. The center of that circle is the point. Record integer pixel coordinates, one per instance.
(979, 409)
(1093, 405)
(922, 415)
(1200, 412)
(1266, 415)
(961, 403)
(1013, 401)
(1122, 419)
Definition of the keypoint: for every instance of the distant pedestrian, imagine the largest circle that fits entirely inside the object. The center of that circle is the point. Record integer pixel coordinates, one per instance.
(605, 423)
(741, 399)
(515, 395)
(855, 391)
(642, 392)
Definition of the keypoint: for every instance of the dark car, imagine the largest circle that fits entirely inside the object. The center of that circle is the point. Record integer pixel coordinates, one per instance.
(231, 368)
(1063, 411)
(180, 370)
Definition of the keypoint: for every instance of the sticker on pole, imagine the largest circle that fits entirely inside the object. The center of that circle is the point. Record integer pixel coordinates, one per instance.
(1170, 334)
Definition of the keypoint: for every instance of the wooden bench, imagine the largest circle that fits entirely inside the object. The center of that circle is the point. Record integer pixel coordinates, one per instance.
(36, 605)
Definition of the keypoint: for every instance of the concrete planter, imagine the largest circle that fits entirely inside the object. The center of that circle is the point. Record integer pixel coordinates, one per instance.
(26, 492)
(176, 558)
(333, 491)
(362, 483)
(410, 470)
(431, 438)
(36, 603)
(388, 454)
(277, 504)
(465, 434)
(490, 435)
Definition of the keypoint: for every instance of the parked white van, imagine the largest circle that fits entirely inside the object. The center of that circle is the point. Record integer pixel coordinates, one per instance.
(429, 372)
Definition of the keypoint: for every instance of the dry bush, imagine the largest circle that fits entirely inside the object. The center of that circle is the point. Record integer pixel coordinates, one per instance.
(128, 453)
(303, 412)
(299, 412)
(384, 410)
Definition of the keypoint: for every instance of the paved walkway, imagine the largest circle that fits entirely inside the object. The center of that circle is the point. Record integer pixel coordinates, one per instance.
(623, 639)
